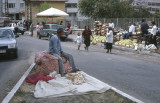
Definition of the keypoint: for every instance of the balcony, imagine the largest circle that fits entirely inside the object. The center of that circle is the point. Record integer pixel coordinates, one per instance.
(71, 10)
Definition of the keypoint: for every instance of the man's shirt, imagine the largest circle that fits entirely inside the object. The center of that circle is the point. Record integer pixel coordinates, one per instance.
(55, 45)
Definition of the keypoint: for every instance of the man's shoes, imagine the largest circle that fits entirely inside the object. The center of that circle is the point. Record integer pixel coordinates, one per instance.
(74, 71)
(63, 75)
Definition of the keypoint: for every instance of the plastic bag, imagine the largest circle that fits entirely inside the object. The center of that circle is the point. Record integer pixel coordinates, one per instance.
(34, 78)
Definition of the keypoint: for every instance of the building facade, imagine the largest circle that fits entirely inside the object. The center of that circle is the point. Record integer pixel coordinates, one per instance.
(15, 9)
(74, 14)
(153, 5)
(1, 8)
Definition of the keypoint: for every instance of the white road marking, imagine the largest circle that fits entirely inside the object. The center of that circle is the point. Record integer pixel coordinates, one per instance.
(17, 86)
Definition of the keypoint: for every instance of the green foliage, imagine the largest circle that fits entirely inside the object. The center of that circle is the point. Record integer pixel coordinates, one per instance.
(45, 6)
(110, 9)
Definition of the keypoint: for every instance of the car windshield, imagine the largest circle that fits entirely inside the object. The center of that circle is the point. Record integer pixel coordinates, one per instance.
(5, 33)
(54, 27)
(60, 26)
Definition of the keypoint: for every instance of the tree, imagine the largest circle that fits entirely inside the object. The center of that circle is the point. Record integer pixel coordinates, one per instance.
(111, 9)
(45, 6)
(105, 8)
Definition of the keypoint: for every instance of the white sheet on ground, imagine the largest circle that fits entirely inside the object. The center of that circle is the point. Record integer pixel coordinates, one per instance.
(63, 87)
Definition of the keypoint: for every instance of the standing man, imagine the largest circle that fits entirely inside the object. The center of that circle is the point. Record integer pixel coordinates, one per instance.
(153, 34)
(55, 49)
(111, 24)
(144, 27)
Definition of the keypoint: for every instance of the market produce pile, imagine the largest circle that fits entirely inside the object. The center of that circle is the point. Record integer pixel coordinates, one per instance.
(100, 28)
(127, 43)
(98, 39)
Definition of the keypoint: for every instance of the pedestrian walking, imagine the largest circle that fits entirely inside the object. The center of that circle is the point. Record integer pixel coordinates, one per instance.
(109, 39)
(79, 40)
(31, 28)
(55, 49)
(87, 37)
(37, 29)
(153, 34)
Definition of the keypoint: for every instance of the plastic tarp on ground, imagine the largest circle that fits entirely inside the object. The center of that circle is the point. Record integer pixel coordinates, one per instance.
(64, 87)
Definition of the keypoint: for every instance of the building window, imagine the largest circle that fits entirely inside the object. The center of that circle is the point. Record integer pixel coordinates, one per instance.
(11, 5)
(21, 5)
(71, 5)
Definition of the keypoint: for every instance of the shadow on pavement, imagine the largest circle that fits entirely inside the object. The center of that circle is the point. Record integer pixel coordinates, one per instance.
(6, 58)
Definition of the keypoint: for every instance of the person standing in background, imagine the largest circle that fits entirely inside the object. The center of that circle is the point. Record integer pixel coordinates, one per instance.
(144, 27)
(15, 28)
(111, 24)
(37, 29)
(153, 34)
(61, 23)
(68, 25)
(109, 39)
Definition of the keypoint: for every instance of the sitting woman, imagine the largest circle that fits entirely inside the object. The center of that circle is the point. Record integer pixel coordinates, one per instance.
(131, 31)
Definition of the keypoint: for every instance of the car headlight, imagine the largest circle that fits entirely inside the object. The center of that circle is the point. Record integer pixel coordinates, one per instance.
(12, 46)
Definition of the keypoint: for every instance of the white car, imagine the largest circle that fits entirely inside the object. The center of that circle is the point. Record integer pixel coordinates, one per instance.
(8, 43)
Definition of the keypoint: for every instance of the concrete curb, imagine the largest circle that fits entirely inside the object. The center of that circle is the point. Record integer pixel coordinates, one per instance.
(19, 83)
(126, 95)
(136, 51)
(17, 86)
(132, 50)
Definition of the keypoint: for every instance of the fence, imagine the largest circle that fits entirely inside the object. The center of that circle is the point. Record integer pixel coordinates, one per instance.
(119, 22)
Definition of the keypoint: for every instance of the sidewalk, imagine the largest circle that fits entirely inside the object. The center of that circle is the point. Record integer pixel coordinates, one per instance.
(73, 36)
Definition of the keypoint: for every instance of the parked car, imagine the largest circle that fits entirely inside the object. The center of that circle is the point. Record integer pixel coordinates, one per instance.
(21, 29)
(8, 43)
(4, 21)
(50, 29)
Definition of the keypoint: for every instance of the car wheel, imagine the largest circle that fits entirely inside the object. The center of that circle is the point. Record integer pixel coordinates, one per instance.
(39, 37)
(15, 55)
(22, 33)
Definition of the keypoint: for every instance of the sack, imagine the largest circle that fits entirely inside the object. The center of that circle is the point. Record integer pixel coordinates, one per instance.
(46, 63)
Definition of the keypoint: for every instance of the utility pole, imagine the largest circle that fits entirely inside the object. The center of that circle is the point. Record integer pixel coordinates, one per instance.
(6, 11)
(1, 7)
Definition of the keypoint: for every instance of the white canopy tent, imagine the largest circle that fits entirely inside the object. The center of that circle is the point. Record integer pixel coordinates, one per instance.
(52, 12)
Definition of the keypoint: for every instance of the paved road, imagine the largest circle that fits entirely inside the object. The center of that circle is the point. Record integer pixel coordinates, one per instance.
(134, 74)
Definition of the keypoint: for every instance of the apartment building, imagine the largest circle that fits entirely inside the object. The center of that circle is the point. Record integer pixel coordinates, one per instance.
(15, 9)
(72, 10)
(153, 5)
